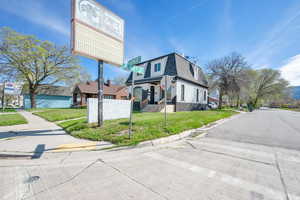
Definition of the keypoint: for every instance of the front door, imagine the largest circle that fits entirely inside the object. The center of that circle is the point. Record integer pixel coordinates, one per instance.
(152, 93)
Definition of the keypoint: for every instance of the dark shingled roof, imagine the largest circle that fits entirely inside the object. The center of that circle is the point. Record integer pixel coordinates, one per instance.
(50, 90)
(177, 66)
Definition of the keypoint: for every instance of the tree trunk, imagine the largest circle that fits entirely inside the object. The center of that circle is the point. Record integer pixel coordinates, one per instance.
(238, 101)
(220, 99)
(32, 98)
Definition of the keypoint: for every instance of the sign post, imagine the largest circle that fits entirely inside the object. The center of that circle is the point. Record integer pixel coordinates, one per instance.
(97, 33)
(166, 88)
(100, 93)
(131, 66)
(131, 110)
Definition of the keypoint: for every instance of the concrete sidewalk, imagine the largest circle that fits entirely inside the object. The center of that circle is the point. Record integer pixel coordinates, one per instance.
(40, 135)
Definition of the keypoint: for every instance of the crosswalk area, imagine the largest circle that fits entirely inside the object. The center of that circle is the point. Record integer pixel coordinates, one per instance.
(195, 168)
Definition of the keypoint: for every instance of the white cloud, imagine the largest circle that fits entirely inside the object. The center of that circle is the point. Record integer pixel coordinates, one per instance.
(291, 70)
(35, 12)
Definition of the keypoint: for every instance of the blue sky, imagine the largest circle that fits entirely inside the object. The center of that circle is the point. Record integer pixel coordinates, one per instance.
(266, 32)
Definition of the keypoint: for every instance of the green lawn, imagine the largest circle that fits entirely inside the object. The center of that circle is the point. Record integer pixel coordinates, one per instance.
(146, 126)
(54, 115)
(7, 110)
(12, 119)
(292, 109)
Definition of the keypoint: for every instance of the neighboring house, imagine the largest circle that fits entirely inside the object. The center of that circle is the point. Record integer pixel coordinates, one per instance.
(83, 91)
(213, 96)
(189, 87)
(49, 96)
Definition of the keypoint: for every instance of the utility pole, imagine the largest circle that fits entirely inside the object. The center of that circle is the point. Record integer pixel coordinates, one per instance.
(100, 93)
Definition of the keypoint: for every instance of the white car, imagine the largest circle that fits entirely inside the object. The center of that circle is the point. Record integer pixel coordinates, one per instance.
(212, 105)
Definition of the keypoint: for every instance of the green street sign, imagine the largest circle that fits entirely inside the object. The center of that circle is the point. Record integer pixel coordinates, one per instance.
(131, 65)
(139, 70)
(135, 60)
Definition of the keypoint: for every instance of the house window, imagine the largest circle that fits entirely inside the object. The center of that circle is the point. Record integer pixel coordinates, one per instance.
(205, 96)
(197, 95)
(157, 67)
(109, 97)
(182, 92)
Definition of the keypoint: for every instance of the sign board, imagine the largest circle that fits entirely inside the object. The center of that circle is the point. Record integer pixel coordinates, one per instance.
(97, 32)
(113, 109)
(10, 88)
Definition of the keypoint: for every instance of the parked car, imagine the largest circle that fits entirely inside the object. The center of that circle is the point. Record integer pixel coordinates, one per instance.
(212, 105)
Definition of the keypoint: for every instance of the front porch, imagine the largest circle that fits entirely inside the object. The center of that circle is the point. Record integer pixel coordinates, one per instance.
(152, 94)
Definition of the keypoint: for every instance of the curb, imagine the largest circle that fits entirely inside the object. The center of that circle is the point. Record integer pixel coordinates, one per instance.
(198, 132)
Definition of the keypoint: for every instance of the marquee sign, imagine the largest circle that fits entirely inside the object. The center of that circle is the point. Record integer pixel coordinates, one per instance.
(97, 32)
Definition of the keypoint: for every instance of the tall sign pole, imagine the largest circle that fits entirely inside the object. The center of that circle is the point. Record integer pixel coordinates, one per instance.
(100, 93)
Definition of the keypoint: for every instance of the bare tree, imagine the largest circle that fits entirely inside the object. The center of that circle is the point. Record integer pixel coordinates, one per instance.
(119, 80)
(227, 74)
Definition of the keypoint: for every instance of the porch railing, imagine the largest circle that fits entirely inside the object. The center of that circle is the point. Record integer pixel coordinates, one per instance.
(144, 103)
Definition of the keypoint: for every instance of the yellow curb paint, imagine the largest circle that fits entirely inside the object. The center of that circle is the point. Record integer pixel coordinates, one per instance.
(11, 138)
(75, 147)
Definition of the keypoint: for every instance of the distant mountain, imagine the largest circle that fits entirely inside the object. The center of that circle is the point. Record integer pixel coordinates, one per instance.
(296, 92)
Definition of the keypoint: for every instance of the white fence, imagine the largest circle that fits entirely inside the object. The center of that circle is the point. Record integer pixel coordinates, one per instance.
(112, 109)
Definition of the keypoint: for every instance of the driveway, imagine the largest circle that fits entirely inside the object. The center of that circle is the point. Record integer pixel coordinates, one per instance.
(201, 168)
(271, 127)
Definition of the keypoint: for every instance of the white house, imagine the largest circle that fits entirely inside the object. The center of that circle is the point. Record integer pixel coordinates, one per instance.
(188, 91)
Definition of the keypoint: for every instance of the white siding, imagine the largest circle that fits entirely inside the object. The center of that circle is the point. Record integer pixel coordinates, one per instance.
(163, 62)
(190, 91)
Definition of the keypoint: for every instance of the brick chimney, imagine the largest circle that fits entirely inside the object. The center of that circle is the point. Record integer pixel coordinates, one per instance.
(108, 83)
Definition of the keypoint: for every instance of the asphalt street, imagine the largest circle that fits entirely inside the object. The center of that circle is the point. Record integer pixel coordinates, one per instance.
(220, 166)
(271, 127)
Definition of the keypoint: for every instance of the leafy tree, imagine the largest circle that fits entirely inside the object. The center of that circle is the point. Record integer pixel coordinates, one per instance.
(266, 84)
(34, 62)
(227, 75)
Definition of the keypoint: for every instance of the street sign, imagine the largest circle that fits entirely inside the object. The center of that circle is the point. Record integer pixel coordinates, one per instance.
(97, 32)
(9, 88)
(131, 65)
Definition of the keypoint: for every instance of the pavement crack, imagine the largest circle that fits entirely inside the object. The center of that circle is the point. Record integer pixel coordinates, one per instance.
(229, 155)
(281, 177)
(68, 155)
(193, 146)
(133, 179)
(68, 180)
